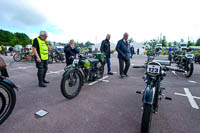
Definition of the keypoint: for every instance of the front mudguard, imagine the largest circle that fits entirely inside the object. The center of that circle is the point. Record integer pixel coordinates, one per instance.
(9, 83)
(149, 95)
(66, 73)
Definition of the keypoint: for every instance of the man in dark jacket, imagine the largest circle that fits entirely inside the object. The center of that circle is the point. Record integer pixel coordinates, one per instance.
(123, 49)
(70, 50)
(105, 48)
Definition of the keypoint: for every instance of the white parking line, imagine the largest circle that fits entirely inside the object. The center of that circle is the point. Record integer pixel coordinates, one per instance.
(192, 81)
(20, 68)
(102, 79)
(190, 98)
(55, 72)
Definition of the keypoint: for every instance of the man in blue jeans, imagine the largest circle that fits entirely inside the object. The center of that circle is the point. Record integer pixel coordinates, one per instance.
(105, 48)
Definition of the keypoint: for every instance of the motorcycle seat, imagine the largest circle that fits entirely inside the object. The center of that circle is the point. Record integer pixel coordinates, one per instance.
(93, 60)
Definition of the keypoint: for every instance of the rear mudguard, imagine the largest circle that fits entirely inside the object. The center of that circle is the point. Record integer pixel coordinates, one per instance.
(66, 73)
(9, 83)
(149, 95)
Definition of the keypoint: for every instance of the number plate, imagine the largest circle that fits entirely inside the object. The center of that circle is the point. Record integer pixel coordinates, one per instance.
(76, 61)
(153, 69)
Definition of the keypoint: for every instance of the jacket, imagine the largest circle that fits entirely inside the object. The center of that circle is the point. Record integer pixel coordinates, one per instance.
(105, 48)
(123, 50)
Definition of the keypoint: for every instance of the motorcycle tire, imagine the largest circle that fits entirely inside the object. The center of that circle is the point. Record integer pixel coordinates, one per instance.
(7, 105)
(57, 59)
(17, 57)
(67, 80)
(189, 73)
(100, 71)
(146, 118)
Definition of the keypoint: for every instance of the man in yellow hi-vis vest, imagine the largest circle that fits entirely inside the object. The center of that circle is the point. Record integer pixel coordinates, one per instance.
(40, 49)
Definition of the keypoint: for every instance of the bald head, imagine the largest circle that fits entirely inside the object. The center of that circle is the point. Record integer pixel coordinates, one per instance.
(43, 35)
(125, 36)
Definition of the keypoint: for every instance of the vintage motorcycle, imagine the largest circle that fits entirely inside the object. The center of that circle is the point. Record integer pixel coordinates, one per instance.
(23, 56)
(155, 73)
(7, 94)
(56, 55)
(83, 69)
(185, 63)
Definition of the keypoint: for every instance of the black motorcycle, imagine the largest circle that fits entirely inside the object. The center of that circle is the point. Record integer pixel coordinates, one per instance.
(155, 73)
(185, 63)
(83, 69)
(197, 58)
(7, 95)
(56, 55)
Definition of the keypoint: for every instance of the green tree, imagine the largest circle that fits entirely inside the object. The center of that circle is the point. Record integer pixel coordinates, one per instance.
(182, 40)
(130, 40)
(169, 44)
(88, 43)
(191, 44)
(163, 41)
(198, 42)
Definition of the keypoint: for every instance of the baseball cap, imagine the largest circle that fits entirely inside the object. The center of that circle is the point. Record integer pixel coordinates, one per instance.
(42, 32)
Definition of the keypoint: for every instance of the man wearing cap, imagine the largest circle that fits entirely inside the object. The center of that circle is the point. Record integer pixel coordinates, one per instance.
(40, 49)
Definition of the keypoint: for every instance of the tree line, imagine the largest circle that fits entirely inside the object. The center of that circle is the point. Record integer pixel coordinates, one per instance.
(8, 38)
(164, 42)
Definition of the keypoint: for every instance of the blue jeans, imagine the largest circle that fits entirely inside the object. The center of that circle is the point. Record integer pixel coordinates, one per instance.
(108, 63)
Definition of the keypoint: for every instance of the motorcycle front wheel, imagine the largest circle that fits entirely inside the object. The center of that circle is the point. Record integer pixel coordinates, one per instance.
(189, 70)
(7, 101)
(17, 57)
(146, 118)
(71, 84)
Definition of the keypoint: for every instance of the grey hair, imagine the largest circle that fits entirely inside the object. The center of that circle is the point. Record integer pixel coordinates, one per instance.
(108, 35)
(125, 33)
(72, 40)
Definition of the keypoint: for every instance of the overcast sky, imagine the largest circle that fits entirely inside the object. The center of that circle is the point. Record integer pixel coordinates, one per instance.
(91, 20)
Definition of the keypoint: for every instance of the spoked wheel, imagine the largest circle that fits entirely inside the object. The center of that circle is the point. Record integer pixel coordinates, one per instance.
(57, 59)
(17, 57)
(71, 84)
(7, 101)
(100, 71)
(146, 118)
(189, 70)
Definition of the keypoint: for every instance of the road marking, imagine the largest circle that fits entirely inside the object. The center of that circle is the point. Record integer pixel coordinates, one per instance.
(192, 81)
(20, 68)
(55, 72)
(114, 72)
(190, 98)
(100, 80)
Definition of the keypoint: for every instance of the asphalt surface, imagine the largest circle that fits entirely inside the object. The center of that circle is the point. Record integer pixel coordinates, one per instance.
(110, 106)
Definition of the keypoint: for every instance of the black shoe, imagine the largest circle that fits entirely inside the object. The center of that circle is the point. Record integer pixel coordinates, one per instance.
(126, 75)
(110, 73)
(122, 76)
(46, 81)
(41, 84)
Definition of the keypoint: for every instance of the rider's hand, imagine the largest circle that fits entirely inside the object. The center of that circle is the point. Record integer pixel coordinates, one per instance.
(38, 59)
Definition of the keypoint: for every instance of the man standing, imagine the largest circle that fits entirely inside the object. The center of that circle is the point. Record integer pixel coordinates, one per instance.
(132, 51)
(40, 49)
(105, 48)
(70, 50)
(123, 49)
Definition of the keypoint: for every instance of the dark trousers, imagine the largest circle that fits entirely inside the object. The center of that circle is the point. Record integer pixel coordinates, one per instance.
(42, 69)
(108, 63)
(123, 70)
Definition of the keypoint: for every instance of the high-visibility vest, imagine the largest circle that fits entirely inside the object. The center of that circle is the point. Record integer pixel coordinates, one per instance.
(43, 49)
